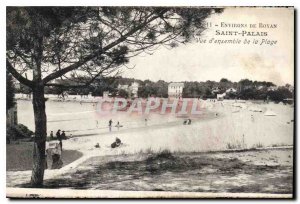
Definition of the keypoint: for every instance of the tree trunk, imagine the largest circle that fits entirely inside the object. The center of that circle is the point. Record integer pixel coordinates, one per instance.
(40, 119)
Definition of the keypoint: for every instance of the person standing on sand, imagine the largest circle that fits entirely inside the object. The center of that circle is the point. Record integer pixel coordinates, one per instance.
(58, 136)
(51, 135)
(110, 124)
(58, 133)
(118, 125)
(63, 135)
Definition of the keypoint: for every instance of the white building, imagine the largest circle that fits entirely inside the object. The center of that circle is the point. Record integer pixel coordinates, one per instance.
(216, 90)
(124, 87)
(260, 87)
(272, 88)
(175, 89)
(134, 89)
(220, 97)
(231, 90)
(105, 94)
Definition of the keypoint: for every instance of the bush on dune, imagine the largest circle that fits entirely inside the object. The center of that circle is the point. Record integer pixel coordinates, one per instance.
(166, 161)
(19, 131)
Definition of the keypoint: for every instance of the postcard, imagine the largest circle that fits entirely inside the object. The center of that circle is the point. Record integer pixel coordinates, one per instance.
(150, 102)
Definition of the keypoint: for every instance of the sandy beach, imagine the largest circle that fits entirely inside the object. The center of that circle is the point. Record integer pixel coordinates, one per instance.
(223, 124)
(236, 123)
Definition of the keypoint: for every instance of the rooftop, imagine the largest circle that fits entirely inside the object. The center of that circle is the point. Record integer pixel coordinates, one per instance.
(176, 84)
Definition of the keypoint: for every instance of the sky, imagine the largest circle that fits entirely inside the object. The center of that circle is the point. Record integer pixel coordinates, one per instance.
(203, 61)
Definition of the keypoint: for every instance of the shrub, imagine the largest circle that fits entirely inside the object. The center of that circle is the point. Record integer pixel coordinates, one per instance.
(233, 145)
(23, 130)
(280, 145)
(280, 94)
(166, 154)
(258, 145)
(161, 161)
(18, 131)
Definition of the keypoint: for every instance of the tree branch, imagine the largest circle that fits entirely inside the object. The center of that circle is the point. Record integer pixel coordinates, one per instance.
(67, 86)
(87, 83)
(17, 75)
(99, 52)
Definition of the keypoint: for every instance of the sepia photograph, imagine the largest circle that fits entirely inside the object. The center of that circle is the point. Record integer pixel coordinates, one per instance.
(150, 102)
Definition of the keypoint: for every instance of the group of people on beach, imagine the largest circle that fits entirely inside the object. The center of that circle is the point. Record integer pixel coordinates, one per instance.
(115, 144)
(60, 135)
(118, 125)
(110, 122)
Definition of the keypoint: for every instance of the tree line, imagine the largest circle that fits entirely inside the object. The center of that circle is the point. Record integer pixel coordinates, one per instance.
(245, 89)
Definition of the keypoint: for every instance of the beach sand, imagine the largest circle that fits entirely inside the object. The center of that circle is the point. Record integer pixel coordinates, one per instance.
(235, 124)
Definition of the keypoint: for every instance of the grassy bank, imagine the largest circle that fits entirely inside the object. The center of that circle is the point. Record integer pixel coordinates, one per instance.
(265, 171)
(19, 156)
